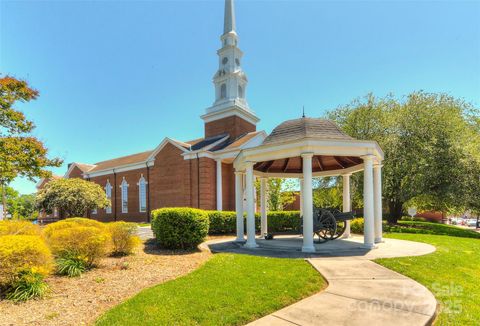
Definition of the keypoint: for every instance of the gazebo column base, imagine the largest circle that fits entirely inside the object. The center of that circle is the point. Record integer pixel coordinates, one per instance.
(251, 245)
(379, 240)
(308, 249)
(369, 246)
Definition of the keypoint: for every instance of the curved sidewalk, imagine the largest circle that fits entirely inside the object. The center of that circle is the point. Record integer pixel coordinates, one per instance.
(360, 292)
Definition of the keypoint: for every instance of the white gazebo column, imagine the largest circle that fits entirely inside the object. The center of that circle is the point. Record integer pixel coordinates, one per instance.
(301, 196)
(219, 185)
(368, 207)
(263, 206)
(347, 206)
(250, 189)
(239, 206)
(377, 193)
(307, 204)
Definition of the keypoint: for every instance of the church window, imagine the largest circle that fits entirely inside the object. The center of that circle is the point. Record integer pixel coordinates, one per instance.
(240, 91)
(124, 188)
(237, 61)
(225, 60)
(94, 211)
(142, 194)
(223, 91)
(108, 192)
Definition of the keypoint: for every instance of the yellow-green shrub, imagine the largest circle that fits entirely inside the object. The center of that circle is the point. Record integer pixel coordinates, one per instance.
(51, 229)
(23, 254)
(356, 225)
(86, 242)
(18, 227)
(124, 239)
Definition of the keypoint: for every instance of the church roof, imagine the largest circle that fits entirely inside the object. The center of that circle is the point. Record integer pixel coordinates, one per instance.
(84, 167)
(305, 128)
(120, 161)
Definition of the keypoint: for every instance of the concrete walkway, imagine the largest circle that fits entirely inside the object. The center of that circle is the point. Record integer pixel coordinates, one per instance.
(359, 292)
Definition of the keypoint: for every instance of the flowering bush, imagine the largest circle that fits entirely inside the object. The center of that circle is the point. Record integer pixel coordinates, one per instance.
(18, 227)
(87, 242)
(124, 239)
(21, 254)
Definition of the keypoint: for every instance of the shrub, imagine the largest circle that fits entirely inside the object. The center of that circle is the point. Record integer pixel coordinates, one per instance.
(283, 221)
(222, 222)
(356, 225)
(18, 227)
(28, 285)
(71, 265)
(124, 239)
(21, 254)
(88, 242)
(179, 227)
(50, 229)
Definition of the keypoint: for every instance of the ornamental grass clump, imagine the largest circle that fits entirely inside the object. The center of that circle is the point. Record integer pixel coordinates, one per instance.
(124, 238)
(180, 228)
(19, 227)
(25, 261)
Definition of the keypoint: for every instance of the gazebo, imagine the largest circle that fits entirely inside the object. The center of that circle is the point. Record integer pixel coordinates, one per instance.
(305, 148)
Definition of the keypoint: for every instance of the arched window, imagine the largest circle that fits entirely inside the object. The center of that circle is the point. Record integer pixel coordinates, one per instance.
(223, 91)
(142, 194)
(124, 188)
(240, 91)
(108, 192)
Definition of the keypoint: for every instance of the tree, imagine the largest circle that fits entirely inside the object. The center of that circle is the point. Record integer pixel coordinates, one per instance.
(72, 197)
(280, 192)
(428, 139)
(20, 153)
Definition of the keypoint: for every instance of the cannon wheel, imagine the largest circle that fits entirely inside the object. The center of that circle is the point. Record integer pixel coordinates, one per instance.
(341, 226)
(327, 227)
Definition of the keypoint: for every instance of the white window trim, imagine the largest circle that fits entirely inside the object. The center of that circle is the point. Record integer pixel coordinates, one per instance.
(94, 211)
(140, 181)
(126, 185)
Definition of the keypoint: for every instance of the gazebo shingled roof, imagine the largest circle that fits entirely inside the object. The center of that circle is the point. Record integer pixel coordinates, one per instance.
(306, 128)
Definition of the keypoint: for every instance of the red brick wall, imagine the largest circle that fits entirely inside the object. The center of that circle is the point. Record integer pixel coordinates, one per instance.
(133, 215)
(228, 187)
(170, 178)
(207, 183)
(235, 126)
(76, 173)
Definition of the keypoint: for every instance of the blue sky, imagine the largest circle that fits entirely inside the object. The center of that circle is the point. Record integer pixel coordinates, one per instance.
(116, 77)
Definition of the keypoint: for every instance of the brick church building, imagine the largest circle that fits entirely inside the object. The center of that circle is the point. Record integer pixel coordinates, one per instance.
(195, 173)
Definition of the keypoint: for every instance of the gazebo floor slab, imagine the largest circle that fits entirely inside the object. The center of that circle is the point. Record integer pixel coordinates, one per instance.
(289, 246)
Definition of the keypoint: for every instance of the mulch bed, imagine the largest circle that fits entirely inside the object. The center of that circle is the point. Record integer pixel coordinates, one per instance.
(80, 301)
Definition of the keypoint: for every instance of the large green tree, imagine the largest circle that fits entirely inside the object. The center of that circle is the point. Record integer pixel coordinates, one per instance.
(431, 144)
(72, 197)
(21, 154)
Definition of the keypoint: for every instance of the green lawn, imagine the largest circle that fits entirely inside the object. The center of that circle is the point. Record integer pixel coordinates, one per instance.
(228, 290)
(452, 273)
(431, 228)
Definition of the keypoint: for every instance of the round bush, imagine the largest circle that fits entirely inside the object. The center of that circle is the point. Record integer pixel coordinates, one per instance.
(88, 243)
(356, 225)
(17, 227)
(180, 228)
(23, 254)
(51, 229)
(124, 238)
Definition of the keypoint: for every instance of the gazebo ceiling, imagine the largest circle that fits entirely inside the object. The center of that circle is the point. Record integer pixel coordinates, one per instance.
(320, 163)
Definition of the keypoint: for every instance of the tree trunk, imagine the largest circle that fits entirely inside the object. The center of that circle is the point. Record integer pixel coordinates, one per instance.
(3, 214)
(395, 213)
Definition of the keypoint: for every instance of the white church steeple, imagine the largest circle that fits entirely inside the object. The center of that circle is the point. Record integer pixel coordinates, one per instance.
(230, 81)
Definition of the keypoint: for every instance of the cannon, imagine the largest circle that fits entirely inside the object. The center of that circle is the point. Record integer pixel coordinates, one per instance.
(329, 223)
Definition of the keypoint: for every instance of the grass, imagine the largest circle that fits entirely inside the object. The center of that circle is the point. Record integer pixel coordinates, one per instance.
(452, 273)
(431, 228)
(228, 290)
(143, 224)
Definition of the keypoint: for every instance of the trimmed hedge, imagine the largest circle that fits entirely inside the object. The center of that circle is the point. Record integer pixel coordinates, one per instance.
(180, 228)
(224, 222)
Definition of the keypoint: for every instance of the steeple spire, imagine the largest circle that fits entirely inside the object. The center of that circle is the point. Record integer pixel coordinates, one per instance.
(229, 20)
(230, 81)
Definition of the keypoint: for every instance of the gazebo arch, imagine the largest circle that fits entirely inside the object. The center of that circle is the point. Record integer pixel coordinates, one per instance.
(305, 148)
